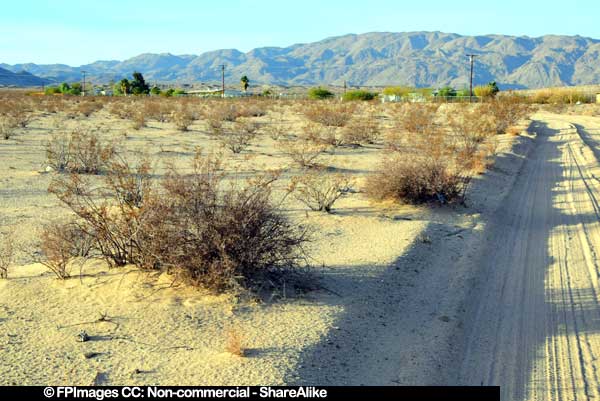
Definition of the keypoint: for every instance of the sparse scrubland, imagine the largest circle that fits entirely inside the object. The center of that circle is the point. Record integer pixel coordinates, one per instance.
(212, 209)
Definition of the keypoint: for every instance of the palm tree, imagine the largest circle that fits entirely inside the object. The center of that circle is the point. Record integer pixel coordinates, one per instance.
(245, 83)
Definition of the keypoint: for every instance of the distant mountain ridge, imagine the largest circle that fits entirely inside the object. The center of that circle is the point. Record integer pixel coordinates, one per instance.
(20, 78)
(371, 59)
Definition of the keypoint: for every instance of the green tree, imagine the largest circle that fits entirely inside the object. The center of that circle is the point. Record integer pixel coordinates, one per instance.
(139, 85)
(447, 91)
(123, 87)
(245, 83)
(64, 88)
(319, 93)
(359, 95)
(155, 90)
(493, 88)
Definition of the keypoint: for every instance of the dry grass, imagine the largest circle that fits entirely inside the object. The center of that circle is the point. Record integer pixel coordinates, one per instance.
(234, 343)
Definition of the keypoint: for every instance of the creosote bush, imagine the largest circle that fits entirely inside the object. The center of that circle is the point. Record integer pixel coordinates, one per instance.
(79, 152)
(200, 225)
(7, 254)
(330, 114)
(417, 181)
(61, 243)
(318, 189)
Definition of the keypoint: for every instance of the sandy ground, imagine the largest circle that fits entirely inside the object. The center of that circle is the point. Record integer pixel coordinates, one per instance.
(172, 335)
(534, 326)
(502, 292)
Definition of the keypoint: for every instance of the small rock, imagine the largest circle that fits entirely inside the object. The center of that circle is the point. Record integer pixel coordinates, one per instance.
(90, 355)
(49, 169)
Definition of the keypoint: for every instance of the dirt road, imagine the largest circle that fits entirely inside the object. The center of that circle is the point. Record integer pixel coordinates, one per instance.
(534, 323)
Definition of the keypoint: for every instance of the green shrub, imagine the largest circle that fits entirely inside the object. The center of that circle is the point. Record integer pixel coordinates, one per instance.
(359, 95)
(447, 91)
(319, 93)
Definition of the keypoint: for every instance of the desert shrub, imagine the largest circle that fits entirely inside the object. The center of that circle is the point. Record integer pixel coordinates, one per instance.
(359, 95)
(417, 181)
(471, 125)
(220, 235)
(80, 152)
(330, 114)
(251, 109)
(7, 254)
(560, 96)
(222, 111)
(416, 118)
(318, 189)
(302, 151)
(363, 129)
(319, 93)
(276, 128)
(447, 91)
(87, 108)
(138, 120)
(323, 134)
(158, 110)
(401, 91)
(234, 343)
(507, 111)
(215, 127)
(7, 127)
(239, 136)
(183, 117)
(112, 213)
(61, 242)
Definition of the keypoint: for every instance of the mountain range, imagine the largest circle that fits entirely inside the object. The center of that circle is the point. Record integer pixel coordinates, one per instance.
(20, 78)
(420, 59)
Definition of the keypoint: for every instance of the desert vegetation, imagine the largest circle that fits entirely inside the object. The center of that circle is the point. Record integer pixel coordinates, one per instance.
(214, 218)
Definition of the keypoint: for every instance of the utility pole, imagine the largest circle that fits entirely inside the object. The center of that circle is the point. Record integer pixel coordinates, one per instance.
(223, 80)
(83, 91)
(345, 86)
(472, 59)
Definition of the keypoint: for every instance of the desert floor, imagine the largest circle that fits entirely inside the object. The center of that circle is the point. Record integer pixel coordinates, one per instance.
(500, 292)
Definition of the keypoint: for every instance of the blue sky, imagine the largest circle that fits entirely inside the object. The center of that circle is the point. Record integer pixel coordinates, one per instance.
(77, 32)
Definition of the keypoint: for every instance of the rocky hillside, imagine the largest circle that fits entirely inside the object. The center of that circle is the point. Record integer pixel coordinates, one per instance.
(413, 58)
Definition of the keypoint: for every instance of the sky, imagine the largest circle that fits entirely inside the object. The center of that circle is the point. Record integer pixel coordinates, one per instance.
(78, 32)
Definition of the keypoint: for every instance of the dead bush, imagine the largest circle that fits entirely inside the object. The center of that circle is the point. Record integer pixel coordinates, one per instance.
(330, 114)
(138, 120)
(318, 189)
(183, 117)
(61, 243)
(239, 136)
(159, 110)
(277, 128)
(507, 111)
(87, 108)
(80, 152)
(111, 213)
(303, 152)
(220, 234)
(234, 343)
(322, 134)
(417, 118)
(7, 254)
(471, 125)
(361, 130)
(417, 181)
(7, 127)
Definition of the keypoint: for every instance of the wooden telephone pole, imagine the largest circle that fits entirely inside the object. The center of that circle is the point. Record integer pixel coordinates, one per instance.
(83, 91)
(223, 81)
(472, 59)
